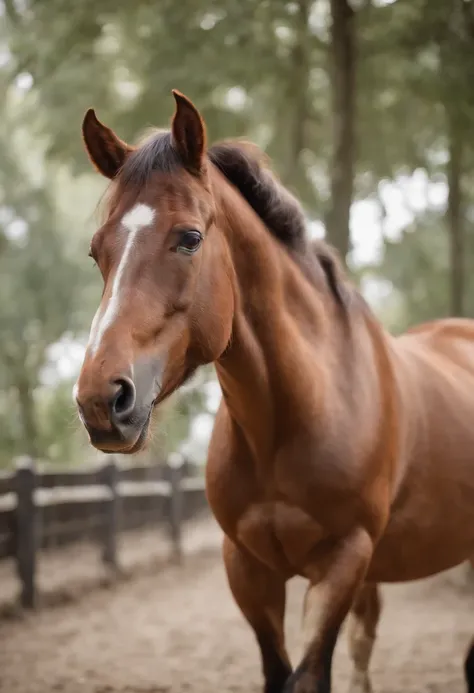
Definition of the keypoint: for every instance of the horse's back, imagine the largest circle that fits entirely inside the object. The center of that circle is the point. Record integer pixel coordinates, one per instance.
(441, 331)
(435, 376)
(438, 360)
(446, 347)
(434, 493)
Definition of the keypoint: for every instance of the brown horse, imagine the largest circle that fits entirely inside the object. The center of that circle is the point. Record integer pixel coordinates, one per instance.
(339, 453)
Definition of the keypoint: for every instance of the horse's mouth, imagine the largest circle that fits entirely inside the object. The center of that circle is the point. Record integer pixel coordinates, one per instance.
(122, 449)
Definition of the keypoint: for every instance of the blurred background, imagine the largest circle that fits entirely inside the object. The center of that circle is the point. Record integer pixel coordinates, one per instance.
(365, 107)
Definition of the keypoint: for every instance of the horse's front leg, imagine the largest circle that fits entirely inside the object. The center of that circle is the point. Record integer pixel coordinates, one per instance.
(336, 575)
(363, 620)
(260, 593)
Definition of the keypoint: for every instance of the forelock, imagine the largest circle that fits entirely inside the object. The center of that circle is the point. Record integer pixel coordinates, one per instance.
(155, 154)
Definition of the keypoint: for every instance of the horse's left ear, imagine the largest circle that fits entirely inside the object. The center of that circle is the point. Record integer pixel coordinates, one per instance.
(106, 151)
(189, 133)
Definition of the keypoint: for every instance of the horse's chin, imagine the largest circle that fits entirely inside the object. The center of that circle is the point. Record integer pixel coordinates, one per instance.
(143, 438)
(141, 441)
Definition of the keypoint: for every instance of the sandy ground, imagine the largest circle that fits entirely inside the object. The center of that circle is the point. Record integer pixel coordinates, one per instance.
(176, 629)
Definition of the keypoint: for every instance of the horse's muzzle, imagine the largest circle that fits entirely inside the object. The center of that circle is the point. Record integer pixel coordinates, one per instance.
(117, 416)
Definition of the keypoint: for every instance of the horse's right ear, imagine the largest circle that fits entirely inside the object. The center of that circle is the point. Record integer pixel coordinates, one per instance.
(106, 151)
(188, 133)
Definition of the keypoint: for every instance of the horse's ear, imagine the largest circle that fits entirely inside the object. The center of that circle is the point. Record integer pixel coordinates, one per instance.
(106, 151)
(189, 133)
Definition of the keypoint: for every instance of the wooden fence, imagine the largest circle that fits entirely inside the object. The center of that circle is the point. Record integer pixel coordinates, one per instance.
(40, 510)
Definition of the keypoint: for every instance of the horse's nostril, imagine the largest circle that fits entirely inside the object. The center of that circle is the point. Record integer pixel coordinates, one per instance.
(123, 402)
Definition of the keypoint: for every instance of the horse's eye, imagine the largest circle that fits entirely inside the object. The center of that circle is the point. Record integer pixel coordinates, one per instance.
(189, 242)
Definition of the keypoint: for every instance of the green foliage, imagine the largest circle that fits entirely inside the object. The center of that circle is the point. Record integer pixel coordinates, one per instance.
(37, 285)
(62, 438)
(417, 266)
(124, 59)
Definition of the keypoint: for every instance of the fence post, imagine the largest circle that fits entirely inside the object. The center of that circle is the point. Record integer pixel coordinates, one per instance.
(110, 476)
(175, 466)
(26, 530)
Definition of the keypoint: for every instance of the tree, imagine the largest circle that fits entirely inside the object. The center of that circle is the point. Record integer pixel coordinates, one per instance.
(343, 70)
(38, 286)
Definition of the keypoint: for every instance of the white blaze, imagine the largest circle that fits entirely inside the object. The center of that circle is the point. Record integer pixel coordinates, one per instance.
(133, 221)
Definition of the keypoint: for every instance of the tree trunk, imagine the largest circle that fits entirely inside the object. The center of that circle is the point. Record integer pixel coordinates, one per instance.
(20, 382)
(292, 115)
(300, 67)
(343, 63)
(455, 219)
(28, 418)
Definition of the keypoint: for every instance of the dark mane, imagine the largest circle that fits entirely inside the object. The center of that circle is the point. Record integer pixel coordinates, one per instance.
(244, 166)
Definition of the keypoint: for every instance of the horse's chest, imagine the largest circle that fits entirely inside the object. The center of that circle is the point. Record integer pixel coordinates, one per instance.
(280, 535)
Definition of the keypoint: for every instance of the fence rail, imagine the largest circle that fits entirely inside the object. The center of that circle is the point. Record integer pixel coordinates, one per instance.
(39, 510)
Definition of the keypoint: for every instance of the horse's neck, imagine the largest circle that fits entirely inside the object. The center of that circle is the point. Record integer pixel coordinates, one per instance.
(266, 369)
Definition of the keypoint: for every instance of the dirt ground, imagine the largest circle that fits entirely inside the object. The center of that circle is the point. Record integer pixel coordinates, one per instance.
(177, 630)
